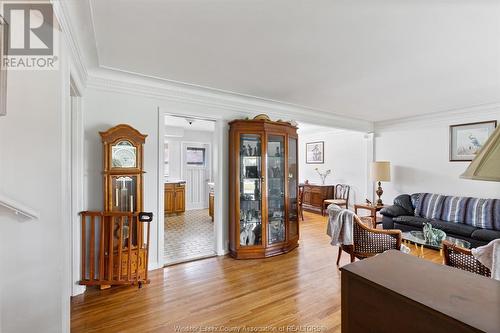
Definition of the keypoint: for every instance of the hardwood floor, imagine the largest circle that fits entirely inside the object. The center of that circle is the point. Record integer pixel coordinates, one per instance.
(301, 288)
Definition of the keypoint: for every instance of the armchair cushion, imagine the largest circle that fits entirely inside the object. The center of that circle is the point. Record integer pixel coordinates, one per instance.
(336, 201)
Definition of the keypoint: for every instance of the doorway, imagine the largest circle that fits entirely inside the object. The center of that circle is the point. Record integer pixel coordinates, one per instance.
(189, 232)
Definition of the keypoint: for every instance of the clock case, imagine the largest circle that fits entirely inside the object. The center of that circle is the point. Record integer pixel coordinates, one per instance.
(113, 196)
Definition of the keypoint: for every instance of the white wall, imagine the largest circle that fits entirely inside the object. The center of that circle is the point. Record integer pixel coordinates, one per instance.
(418, 150)
(345, 155)
(175, 148)
(32, 252)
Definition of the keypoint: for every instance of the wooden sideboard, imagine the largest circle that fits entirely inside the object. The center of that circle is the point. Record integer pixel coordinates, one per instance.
(175, 198)
(396, 292)
(315, 194)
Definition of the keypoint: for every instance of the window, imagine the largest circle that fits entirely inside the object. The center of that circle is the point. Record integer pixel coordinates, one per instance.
(195, 156)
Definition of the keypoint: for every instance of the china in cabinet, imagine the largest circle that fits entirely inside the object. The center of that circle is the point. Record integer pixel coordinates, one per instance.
(263, 186)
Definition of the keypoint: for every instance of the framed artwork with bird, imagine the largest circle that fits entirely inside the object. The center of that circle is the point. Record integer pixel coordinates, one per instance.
(467, 139)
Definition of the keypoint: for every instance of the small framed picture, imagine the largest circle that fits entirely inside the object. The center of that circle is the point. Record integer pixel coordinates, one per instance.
(315, 152)
(467, 139)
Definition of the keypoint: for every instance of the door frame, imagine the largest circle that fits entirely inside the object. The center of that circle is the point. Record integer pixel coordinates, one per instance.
(219, 153)
(77, 185)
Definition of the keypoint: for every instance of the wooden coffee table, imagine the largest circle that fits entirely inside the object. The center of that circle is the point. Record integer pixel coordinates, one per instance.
(373, 211)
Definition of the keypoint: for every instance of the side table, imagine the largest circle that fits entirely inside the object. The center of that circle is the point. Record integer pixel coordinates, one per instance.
(373, 211)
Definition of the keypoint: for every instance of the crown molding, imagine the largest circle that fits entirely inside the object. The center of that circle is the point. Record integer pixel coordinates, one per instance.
(326, 131)
(79, 71)
(164, 90)
(473, 111)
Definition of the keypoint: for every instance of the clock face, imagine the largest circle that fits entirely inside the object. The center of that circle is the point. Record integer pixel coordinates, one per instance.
(124, 155)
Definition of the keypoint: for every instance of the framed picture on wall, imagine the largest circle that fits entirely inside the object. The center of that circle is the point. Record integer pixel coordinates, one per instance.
(195, 156)
(467, 139)
(3, 71)
(315, 152)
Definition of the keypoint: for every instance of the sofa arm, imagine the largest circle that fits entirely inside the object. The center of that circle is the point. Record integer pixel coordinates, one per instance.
(394, 211)
(405, 201)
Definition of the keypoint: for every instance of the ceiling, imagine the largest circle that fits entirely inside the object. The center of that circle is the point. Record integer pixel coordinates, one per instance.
(367, 59)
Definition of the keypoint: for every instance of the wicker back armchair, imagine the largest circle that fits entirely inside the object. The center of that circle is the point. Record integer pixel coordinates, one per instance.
(461, 258)
(369, 242)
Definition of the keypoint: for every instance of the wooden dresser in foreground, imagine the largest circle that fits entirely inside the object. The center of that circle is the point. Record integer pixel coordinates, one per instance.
(396, 292)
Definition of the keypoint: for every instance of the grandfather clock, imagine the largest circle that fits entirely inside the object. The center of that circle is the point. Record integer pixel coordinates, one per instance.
(123, 169)
(123, 192)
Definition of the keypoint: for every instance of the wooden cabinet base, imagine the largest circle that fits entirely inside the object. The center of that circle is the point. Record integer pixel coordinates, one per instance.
(259, 253)
(315, 195)
(396, 292)
(175, 198)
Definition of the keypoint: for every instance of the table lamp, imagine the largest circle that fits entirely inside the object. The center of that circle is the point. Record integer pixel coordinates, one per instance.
(486, 164)
(381, 172)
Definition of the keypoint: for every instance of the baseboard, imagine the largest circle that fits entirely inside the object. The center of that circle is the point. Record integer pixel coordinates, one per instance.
(78, 290)
(154, 265)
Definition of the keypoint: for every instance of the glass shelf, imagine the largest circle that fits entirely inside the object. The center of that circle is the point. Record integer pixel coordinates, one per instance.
(276, 189)
(250, 190)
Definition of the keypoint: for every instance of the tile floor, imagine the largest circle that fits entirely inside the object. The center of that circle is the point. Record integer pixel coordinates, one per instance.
(189, 236)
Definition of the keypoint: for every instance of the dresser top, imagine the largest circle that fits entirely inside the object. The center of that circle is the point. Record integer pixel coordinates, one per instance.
(467, 297)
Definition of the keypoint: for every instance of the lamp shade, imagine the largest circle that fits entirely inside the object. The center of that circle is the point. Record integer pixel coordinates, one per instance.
(486, 164)
(381, 171)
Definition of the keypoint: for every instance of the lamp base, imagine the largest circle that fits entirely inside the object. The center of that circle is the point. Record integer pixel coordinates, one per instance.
(379, 193)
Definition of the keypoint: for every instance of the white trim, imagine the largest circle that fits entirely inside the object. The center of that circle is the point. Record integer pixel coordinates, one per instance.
(64, 200)
(165, 90)
(77, 187)
(465, 112)
(220, 162)
(160, 251)
(78, 68)
(92, 20)
(221, 195)
(370, 157)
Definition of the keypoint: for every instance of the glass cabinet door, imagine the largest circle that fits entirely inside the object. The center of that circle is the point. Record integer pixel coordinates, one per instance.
(293, 218)
(276, 188)
(250, 190)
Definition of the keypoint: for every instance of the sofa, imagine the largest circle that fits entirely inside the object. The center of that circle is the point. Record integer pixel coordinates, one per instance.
(472, 219)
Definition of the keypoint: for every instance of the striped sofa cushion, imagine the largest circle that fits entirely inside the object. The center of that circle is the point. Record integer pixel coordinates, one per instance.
(454, 209)
(480, 213)
(429, 205)
(483, 213)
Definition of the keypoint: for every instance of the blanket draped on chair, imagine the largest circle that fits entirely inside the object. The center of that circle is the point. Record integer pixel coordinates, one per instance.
(340, 225)
(489, 256)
